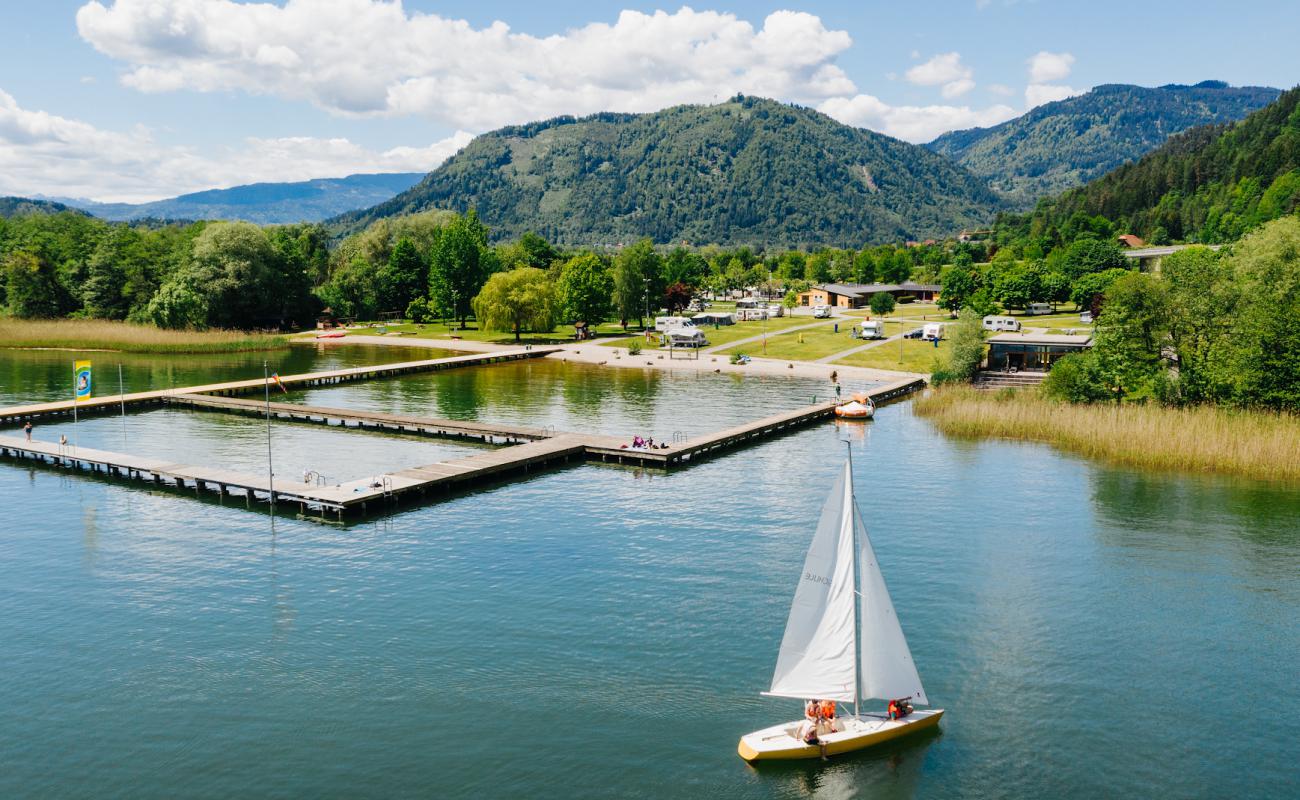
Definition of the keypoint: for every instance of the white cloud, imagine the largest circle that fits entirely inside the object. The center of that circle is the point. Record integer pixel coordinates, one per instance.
(1001, 89)
(1045, 67)
(372, 58)
(912, 123)
(947, 70)
(1038, 93)
(41, 153)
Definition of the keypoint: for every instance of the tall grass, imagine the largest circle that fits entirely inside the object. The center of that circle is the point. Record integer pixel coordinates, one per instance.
(99, 334)
(1203, 439)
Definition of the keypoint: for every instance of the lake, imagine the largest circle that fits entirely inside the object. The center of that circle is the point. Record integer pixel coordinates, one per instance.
(599, 631)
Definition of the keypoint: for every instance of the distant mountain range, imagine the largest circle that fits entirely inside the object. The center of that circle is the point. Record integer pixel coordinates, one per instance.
(263, 203)
(1061, 145)
(17, 206)
(1210, 184)
(746, 171)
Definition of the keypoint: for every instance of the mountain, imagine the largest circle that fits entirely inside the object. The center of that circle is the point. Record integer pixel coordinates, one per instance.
(746, 171)
(1210, 184)
(265, 203)
(18, 206)
(1064, 144)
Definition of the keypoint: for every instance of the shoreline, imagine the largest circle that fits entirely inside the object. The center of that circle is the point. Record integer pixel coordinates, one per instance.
(592, 352)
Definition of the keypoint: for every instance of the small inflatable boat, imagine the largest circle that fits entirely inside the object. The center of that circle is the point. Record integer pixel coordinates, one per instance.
(855, 409)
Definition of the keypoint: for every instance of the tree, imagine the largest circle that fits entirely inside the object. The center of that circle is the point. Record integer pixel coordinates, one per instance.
(586, 289)
(1202, 305)
(530, 251)
(233, 267)
(635, 268)
(1263, 363)
(967, 337)
(1055, 286)
(404, 277)
(1089, 291)
(515, 300)
(31, 289)
(1016, 285)
(1086, 256)
(104, 291)
(881, 303)
(959, 283)
(460, 263)
(683, 266)
(178, 304)
(677, 297)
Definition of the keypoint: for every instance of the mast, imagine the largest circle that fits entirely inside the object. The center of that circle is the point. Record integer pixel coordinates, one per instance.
(849, 509)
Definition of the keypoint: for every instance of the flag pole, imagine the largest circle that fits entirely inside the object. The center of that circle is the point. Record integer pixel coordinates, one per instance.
(121, 396)
(270, 472)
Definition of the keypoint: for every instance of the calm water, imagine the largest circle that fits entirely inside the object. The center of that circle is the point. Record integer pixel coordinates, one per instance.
(599, 631)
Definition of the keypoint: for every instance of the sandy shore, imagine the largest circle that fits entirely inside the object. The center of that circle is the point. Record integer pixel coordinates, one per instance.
(592, 353)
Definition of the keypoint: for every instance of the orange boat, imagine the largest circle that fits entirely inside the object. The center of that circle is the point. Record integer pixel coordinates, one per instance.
(860, 407)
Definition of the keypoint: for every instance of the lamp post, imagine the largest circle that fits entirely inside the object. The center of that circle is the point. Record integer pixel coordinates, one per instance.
(645, 322)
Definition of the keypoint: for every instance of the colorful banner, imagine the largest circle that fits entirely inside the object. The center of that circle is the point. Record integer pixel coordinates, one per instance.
(81, 373)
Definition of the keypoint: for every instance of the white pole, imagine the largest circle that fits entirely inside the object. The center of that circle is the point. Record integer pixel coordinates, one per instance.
(121, 396)
(270, 471)
(75, 439)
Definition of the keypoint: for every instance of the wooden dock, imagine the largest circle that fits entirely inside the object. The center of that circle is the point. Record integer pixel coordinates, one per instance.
(540, 448)
(114, 403)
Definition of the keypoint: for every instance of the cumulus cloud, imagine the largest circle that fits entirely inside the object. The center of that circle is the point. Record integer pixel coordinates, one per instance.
(944, 70)
(373, 58)
(1045, 67)
(912, 123)
(42, 153)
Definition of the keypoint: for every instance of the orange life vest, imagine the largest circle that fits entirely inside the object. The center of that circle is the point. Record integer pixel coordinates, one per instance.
(828, 709)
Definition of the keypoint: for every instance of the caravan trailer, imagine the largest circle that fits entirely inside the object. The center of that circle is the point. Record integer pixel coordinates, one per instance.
(686, 337)
(933, 331)
(995, 323)
(871, 329)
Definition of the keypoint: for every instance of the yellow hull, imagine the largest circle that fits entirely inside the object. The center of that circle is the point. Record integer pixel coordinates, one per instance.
(778, 743)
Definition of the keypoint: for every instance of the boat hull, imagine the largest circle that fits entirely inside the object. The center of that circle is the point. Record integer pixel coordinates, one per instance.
(780, 742)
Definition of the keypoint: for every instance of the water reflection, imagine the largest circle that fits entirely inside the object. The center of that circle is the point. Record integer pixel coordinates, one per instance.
(886, 772)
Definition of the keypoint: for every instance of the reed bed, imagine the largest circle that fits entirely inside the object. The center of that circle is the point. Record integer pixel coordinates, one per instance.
(99, 334)
(1201, 439)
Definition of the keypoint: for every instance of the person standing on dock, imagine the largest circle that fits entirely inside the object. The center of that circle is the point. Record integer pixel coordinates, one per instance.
(27, 429)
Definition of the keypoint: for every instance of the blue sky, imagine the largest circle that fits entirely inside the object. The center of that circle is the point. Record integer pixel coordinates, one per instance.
(140, 99)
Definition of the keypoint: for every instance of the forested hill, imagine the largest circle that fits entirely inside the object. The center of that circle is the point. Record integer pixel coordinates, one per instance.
(1211, 184)
(265, 203)
(17, 206)
(1061, 145)
(747, 171)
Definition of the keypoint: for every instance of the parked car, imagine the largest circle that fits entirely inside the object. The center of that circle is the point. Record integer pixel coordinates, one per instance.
(821, 312)
(914, 334)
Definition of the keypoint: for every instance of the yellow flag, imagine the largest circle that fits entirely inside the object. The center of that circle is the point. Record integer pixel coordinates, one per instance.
(81, 380)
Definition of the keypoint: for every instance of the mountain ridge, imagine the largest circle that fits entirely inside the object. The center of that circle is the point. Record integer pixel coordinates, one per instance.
(745, 171)
(1066, 143)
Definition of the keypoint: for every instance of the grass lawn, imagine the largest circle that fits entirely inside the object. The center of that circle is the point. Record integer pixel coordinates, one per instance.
(907, 310)
(561, 333)
(907, 355)
(726, 333)
(817, 343)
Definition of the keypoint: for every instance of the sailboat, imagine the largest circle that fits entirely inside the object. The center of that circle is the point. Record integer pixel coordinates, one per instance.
(841, 644)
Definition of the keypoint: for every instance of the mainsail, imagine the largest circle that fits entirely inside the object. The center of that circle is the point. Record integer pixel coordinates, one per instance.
(837, 647)
(818, 652)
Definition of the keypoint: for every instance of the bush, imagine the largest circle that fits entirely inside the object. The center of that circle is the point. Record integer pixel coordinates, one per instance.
(1076, 378)
(419, 311)
(634, 347)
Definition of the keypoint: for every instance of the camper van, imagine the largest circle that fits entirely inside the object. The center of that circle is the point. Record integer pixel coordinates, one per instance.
(995, 323)
(821, 312)
(686, 337)
(665, 324)
(933, 331)
(871, 329)
(1037, 309)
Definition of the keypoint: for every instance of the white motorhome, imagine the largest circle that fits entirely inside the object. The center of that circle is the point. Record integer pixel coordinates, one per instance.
(665, 324)
(996, 323)
(821, 312)
(1038, 309)
(871, 329)
(933, 331)
(686, 337)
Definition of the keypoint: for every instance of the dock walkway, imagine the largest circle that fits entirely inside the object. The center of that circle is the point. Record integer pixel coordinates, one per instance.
(113, 403)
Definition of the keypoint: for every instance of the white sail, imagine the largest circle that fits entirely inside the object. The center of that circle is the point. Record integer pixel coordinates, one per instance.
(818, 652)
(888, 672)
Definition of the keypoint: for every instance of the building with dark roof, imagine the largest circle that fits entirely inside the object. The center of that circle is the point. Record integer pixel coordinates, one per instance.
(857, 295)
